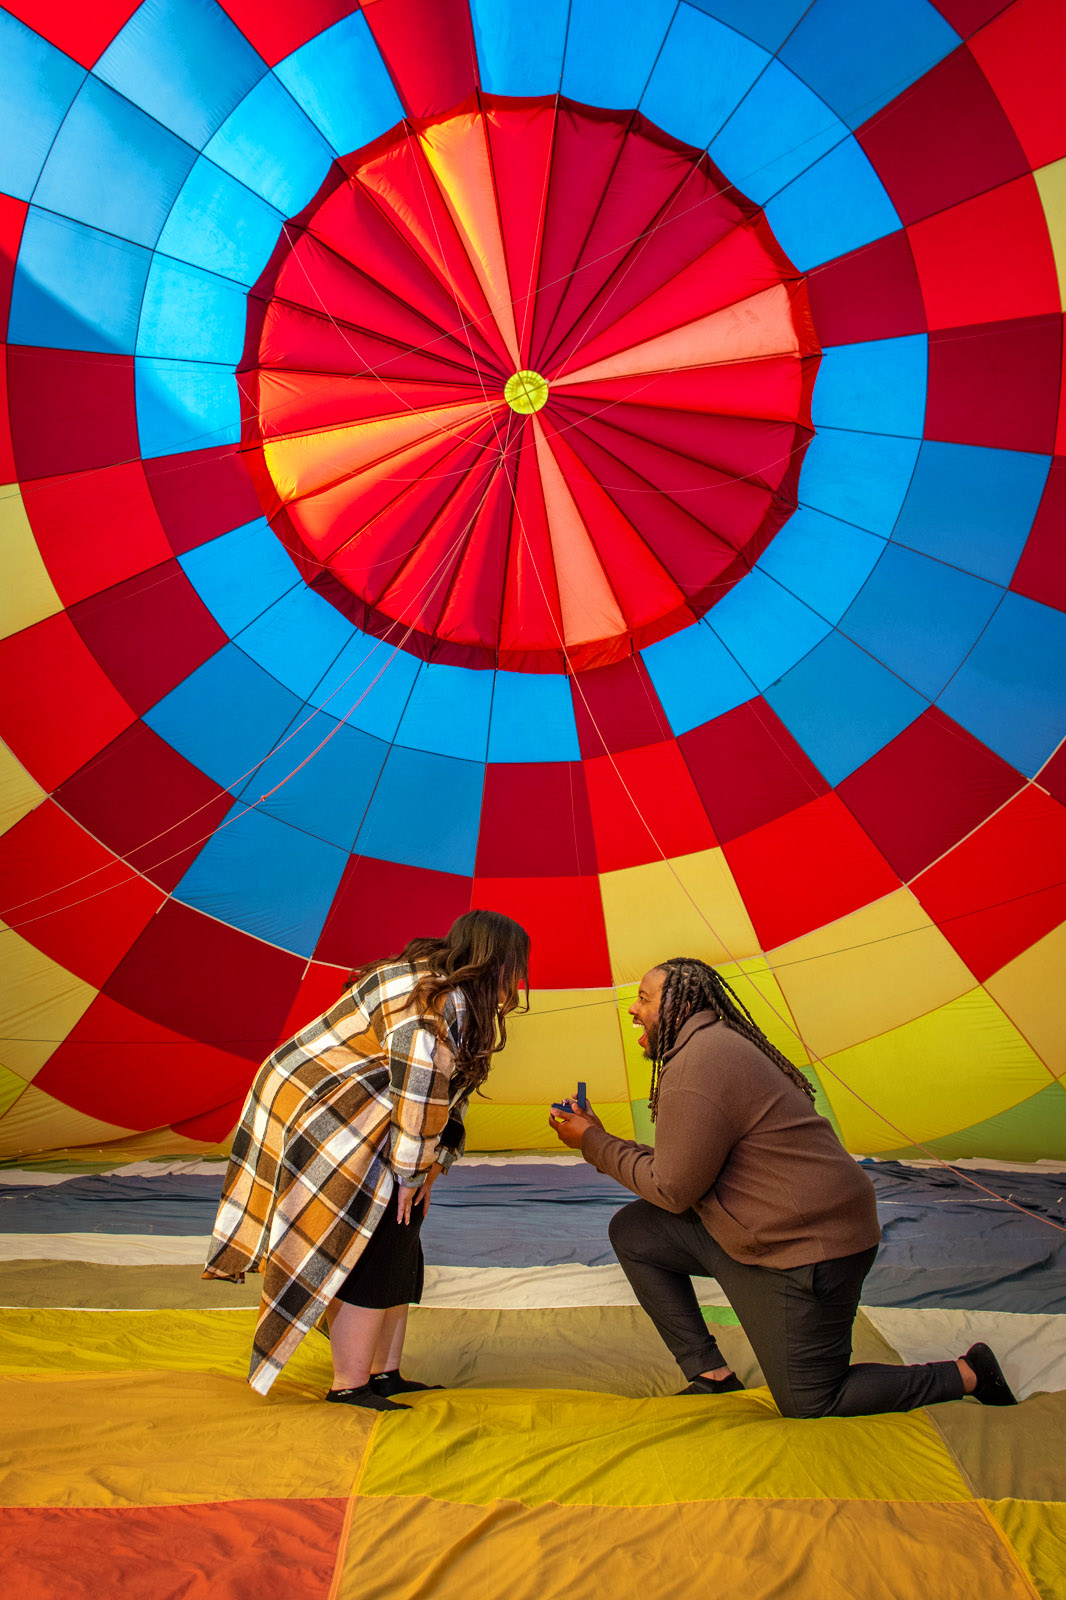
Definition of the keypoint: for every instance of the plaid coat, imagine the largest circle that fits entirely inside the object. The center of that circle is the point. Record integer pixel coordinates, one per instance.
(335, 1118)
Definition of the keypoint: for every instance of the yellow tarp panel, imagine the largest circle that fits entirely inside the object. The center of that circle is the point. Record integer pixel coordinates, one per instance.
(1029, 989)
(408, 1549)
(27, 594)
(581, 1449)
(538, 1491)
(966, 1053)
(172, 1437)
(1013, 1452)
(1037, 1533)
(609, 1349)
(650, 917)
(868, 972)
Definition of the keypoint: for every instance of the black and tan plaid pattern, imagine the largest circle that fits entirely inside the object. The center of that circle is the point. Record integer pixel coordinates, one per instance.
(335, 1117)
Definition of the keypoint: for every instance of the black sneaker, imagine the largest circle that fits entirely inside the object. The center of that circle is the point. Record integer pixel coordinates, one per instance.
(363, 1396)
(730, 1385)
(387, 1384)
(992, 1387)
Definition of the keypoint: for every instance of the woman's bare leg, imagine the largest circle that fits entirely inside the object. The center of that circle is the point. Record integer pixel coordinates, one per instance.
(354, 1332)
(389, 1347)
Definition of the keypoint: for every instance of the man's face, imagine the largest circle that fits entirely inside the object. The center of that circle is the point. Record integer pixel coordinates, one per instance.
(645, 1010)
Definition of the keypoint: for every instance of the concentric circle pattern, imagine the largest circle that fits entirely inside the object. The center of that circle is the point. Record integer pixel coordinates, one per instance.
(311, 638)
(670, 354)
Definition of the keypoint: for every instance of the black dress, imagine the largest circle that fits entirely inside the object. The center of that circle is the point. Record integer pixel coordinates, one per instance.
(391, 1270)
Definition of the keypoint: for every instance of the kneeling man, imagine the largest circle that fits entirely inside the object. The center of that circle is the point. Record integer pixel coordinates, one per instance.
(749, 1185)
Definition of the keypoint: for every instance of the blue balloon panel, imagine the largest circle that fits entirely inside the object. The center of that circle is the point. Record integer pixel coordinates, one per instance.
(696, 677)
(519, 46)
(218, 223)
(76, 288)
(779, 129)
(241, 574)
(703, 72)
(297, 640)
(532, 718)
(190, 315)
(183, 61)
(842, 706)
(835, 206)
(859, 477)
(340, 81)
(821, 560)
(185, 405)
(972, 507)
(920, 617)
(113, 167)
(273, 148)
(876, 387)
(225, 717)
(448, 712)
(328, 797)
(858, 58)
(1008, 691)
(37, 84)
(765, 628)
(609, 65)
(425, 812)
(273, 881)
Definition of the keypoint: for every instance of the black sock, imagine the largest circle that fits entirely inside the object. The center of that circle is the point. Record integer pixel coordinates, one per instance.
(363, 1395)
(700, 1385)
(390, 1383)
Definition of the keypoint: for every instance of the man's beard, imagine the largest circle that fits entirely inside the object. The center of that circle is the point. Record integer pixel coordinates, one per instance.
(651, 1049)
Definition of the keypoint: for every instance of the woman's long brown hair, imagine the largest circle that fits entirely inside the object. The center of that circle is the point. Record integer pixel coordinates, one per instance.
(484, 954)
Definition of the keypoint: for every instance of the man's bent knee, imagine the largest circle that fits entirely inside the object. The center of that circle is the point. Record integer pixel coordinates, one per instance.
(628, 1228)
(801, 1408)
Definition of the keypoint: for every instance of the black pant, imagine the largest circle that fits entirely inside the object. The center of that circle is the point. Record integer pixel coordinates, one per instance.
(797, 1319)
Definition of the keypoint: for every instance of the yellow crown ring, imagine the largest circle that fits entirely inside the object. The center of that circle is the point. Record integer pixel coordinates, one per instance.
(525, 391)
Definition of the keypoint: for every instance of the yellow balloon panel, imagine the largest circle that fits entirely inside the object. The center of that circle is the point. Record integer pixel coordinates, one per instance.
(27, 594)
(503, 1127)
(19, 793)
(11, 1086)
(567, 1035)
(37, 1123)
(868, 972)
(689, 906)
(1051, 182)
(957, 1066)
(638, 1067)
(1029, 989)
(40, 1002)
(757, 986)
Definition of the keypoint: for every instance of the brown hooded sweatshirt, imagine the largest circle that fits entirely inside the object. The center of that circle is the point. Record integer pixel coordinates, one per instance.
(741, 1143)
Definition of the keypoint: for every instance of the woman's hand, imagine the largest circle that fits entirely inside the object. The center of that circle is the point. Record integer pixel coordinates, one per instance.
(407, 1197)
(571, 1125)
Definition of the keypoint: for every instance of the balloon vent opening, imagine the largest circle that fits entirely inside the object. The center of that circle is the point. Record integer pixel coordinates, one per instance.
(525, 391)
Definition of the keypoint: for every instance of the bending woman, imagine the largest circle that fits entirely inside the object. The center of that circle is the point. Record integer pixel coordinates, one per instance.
(344, 1132)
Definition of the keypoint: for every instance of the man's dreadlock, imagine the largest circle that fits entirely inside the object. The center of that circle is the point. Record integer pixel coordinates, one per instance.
(690, 986)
